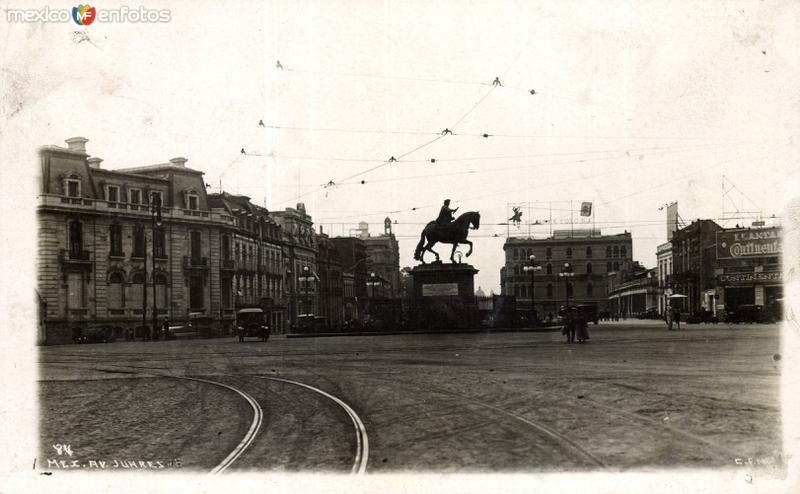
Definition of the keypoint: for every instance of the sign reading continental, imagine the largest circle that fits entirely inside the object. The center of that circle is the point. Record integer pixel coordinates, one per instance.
(738, 244)
(440, 289)
(774, 276)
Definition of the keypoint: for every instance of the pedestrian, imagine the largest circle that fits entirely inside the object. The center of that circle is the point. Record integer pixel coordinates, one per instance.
(677, 318)
(581, 329)
(668, 317)
(166, 328)
(497, 82)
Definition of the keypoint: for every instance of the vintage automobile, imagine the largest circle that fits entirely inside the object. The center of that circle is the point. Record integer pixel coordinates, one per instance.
(251, 323)
(748, 313)
(589, 312)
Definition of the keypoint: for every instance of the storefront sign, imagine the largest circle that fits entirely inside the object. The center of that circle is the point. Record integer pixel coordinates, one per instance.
(439, 289)
(738, 244)
(773, 276)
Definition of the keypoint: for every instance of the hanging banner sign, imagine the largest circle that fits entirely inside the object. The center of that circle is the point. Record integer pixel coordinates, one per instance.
(739, 244)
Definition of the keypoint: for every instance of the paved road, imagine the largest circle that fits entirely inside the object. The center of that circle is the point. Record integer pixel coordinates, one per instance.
(635, 396)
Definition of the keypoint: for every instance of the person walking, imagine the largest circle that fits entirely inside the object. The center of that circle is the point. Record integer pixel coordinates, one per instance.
(677, 318)
(166, 328)
(668, 317)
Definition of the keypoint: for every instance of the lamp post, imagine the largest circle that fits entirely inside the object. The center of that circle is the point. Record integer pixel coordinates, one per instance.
(566, 273)
(532, 268)
(373, 282)
(155, 217)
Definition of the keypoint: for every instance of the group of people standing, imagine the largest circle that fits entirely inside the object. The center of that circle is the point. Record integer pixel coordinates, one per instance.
(576, 325)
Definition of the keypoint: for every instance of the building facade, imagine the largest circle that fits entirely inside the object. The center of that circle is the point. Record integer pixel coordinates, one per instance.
(331, 282)
(300, 262)
(693, 266)
(589, 255)
(383, 257)
(748, 269)
(663, 274)
(103, 262)
(250, 260)
(353, 256)
(633, 291)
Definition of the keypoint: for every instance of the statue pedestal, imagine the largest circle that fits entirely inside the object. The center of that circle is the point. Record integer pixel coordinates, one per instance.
(443, 297)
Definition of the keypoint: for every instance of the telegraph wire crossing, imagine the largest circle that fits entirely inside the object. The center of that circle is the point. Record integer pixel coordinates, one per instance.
(529, 188)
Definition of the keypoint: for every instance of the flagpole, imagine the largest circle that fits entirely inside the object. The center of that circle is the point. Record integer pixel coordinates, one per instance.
(571, 221)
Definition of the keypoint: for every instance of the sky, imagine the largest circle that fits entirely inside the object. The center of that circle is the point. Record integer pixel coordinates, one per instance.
(636, 104)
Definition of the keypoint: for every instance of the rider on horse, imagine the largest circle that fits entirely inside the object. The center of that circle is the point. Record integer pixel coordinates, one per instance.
(445, 214)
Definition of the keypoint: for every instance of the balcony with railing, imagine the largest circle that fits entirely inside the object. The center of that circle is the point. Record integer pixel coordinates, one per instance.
(75, 257)
(195, 263)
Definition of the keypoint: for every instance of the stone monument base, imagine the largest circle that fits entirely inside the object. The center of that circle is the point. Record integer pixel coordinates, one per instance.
(443, 297)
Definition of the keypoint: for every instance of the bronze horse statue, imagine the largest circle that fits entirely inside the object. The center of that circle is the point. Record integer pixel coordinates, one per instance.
(454, 233)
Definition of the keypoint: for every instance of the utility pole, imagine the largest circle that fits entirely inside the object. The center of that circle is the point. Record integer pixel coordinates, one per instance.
(155, 215)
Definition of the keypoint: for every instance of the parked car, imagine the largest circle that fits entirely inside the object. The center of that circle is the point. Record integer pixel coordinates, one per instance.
(651, 313)
(705, 316)
(93, 335)
(748, 313)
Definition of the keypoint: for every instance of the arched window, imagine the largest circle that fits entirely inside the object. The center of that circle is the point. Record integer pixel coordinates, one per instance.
(608, 267)
(589, 289)
(549, 253)
(75, 239)
(516, 253)
(608, 251)
(616, 251)
(136, 291)
(569, 252)
(549, 290)
(616, 266)
(549, 269)
(116, 283)
(588, 252)
(588, 268)
(623, 251)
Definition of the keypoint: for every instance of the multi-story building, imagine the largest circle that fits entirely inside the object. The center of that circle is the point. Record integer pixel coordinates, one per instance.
(104, 262)
(300, 261)
(331, 284)
(585, 256)
(383, 253)
(353, 256)
(693, 264)
(250, 261)
(663, 274)
(632, 291)
(748, 269)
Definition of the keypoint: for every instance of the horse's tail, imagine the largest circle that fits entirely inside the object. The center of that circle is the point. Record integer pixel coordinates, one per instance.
(420, 246)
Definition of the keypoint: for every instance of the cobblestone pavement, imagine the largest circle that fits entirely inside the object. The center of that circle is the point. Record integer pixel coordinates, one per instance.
(636, 396)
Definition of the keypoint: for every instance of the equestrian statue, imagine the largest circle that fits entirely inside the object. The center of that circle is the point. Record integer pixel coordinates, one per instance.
(448, 231)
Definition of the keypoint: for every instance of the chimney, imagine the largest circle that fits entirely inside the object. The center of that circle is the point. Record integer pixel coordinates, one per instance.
(180, 161)
(94, 162)
(77, 144)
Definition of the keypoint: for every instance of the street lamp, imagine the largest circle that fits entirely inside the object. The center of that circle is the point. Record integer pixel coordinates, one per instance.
(155, 217)
(306, 279)
(566, 273)
(373, 282)
(532, 268)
